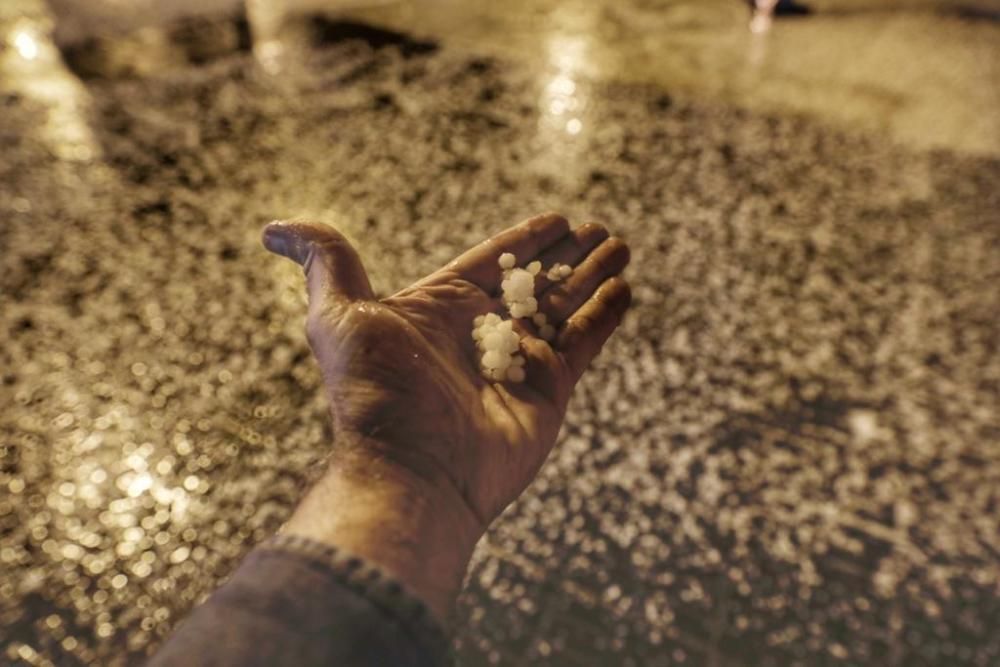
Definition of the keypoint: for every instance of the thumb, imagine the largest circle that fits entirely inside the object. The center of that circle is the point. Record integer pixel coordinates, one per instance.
(334, 271)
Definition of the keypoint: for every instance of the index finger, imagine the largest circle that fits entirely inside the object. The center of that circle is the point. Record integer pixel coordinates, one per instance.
(525, 241)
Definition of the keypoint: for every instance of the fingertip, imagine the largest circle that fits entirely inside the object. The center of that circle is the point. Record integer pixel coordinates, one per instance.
(592, 231)
(554, 223)
(295, 238)
(276, 238)
(552, 216)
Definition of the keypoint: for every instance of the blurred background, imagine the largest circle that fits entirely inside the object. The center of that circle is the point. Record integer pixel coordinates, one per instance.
(788, 455)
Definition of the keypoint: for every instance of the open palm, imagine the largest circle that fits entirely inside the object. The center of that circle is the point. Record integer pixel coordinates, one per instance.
(402, 371)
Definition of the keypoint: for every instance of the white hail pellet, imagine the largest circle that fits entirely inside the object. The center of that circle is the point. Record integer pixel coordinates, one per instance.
(518, 292)
(498, 344)
(495, 337)
(559, 272)
(496, 359)
(494, 340)
(521, 285)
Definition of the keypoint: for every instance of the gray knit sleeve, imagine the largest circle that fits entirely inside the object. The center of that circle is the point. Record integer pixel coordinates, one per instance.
(297, 602)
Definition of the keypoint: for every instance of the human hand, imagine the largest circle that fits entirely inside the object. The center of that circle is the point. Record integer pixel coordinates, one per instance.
(412, 413)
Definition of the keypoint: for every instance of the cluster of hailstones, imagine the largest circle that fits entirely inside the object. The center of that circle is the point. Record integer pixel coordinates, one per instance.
(498, 343)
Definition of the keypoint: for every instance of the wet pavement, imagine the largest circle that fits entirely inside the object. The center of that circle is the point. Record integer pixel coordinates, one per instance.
(924, 73)
(790, 454)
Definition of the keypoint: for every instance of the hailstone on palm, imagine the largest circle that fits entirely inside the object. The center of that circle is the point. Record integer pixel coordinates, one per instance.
(497, 342)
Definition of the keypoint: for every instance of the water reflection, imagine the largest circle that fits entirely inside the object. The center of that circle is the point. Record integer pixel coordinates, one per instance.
(265, 19)
(34, 69)
(25, 45)
(562, 98)
(563, 104)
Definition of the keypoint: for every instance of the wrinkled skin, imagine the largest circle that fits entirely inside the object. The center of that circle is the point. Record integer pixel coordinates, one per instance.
(401, 372)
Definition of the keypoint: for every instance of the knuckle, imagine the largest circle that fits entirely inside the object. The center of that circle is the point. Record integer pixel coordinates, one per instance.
(614, 290)
(603, 261)
(563, 305)
(569, 336)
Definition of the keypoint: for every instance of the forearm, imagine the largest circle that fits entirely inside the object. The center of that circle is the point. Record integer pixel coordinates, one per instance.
(325, 590)
(419, 531)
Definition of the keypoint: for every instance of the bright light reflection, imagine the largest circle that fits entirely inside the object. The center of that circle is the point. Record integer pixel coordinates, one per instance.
(562, 98)
(562, 86)
(26, 45)
(33, 69)
(140, 484)
(269, 55)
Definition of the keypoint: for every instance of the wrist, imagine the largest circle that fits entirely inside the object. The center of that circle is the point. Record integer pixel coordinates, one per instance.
(418, 530)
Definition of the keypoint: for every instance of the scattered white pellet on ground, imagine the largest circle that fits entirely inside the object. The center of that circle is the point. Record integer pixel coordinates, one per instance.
(534, 268)
(507, 260)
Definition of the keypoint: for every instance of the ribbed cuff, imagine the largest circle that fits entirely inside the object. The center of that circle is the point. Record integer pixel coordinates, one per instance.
(374, 584)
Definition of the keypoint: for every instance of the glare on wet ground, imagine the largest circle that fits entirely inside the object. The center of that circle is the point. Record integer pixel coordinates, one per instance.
(924, 73)
(787, 456)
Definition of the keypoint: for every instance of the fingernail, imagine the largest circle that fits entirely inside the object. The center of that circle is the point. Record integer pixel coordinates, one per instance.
(276, 238)
(283, 238)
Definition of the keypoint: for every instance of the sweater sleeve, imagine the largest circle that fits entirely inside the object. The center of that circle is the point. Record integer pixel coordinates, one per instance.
(297, 602)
